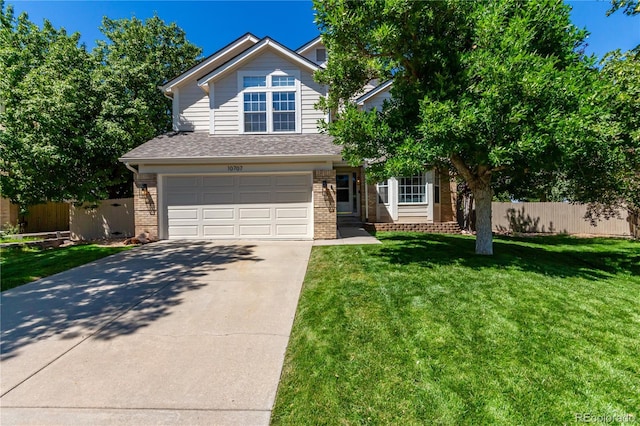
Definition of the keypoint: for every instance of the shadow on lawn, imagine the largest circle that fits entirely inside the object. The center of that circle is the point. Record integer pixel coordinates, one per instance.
(145, 283)
(542, 255)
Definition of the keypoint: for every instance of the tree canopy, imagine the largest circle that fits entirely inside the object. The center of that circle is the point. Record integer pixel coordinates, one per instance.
(68, 113)
(500, 92)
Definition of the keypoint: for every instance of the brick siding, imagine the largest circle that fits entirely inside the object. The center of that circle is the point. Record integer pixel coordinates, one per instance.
(146, 206)
(324, 205)
(430, 228)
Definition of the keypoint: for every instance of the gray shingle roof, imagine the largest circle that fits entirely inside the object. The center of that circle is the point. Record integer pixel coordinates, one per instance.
(190, 145)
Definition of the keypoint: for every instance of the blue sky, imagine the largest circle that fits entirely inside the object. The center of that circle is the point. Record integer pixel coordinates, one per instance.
(213, 24)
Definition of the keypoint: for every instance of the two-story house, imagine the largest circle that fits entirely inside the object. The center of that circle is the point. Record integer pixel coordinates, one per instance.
(246, 159)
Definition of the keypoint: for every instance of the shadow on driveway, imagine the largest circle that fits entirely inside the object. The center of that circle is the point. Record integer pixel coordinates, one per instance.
(81, 301)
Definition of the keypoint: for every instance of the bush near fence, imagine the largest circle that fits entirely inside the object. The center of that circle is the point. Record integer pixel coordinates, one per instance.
(564, 218)
(108, 219)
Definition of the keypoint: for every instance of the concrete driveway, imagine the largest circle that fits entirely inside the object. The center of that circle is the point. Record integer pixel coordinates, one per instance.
(168, 333)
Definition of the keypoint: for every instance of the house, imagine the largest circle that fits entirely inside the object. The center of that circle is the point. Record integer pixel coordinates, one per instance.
(246, 159)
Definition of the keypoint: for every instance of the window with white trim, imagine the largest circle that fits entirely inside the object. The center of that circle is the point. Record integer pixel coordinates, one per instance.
(383, 192)
(255, 112)
(412, 190)
(271, 102)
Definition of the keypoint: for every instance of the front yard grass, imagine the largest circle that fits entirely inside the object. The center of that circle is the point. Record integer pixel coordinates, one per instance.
(20, 265)
(420, 330)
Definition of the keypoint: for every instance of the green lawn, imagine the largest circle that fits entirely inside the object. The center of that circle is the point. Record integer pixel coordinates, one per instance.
(21, 265)
(419, 330)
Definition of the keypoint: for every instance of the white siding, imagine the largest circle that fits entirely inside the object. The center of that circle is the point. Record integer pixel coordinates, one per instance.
(377, 101)
(413, 213)
(311, 54)
(311, 92)
(226, 94)
(193, 108)
(225, 105)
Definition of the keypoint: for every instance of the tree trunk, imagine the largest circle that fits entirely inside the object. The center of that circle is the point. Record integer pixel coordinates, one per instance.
(483, 195)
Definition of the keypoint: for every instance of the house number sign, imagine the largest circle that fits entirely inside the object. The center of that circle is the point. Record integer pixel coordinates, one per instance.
(234, 168)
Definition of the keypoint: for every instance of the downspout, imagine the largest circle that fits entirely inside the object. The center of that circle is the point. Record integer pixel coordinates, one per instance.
(130, 167)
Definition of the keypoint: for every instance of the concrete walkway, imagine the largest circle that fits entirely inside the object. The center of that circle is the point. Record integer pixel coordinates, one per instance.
(349, 235)
(169, 333)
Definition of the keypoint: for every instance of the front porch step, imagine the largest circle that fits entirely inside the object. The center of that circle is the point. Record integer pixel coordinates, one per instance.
(350, 221)
(430, 228)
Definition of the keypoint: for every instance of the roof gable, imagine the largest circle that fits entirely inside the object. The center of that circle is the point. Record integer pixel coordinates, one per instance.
(211, 61)
(266, 43)
(384, 87)
(309, 45)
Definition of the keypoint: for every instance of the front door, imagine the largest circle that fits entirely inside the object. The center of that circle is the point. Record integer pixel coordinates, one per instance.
(345, 193)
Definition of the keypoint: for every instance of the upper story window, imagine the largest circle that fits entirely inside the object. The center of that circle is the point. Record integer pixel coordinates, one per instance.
(270, 102)
(283, 80)
(254, 81)
(412, 190)
(321, 55)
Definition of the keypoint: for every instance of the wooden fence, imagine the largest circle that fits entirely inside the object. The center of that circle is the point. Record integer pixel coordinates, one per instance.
(46, 217)
(107, 219)
(8, 213)
(554, 218)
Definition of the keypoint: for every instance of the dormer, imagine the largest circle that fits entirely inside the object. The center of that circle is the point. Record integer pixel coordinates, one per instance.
(374, 97)
(315, 51)
(190, 102)
(266, 89)
(251, 86)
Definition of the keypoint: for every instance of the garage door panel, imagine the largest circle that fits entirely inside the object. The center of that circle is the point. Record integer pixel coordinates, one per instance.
(254, 197)
(217, 198)
(217, 181)
(292, 180)
(238, 206)
(292, 213)
(183, 231)
(218, 231)
(299, 196)
(182, 198)
(183, 214)
(292, 230)
(218, 213)
(254, 213)
(185, 181)
(244, 181)
(254, 230)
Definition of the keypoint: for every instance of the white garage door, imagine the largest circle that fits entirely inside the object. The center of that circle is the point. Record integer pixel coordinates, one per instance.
(238, 206)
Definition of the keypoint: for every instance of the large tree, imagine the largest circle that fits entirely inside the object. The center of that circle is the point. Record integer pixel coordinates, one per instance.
(69, 113)
(613, 140)
(489, 89)
(134, 59)
(48, 148)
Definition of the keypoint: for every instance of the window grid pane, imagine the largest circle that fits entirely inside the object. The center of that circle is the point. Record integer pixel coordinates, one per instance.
(255, 122)
(321, 55)
(282, 81)
(412, 190)
(255, 115)
(284, 115)
(254, 81)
